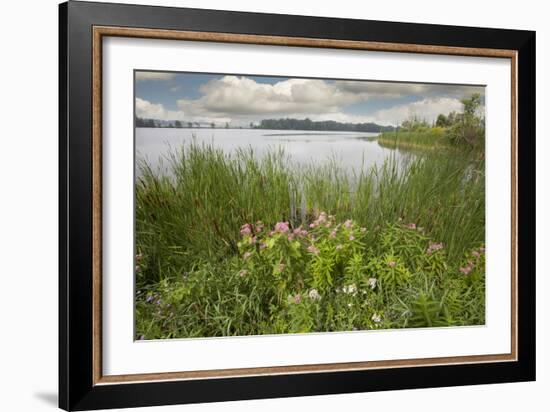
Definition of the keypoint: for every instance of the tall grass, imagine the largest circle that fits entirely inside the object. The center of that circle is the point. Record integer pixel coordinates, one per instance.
(193, 213)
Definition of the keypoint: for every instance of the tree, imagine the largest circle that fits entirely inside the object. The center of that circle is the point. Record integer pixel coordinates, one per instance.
(226, 125)
(469, 126)
(178, 124)
(190, 124)
(213, 125)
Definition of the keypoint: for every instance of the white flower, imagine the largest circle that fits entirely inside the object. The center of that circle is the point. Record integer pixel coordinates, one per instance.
(350, 289)
(314, 295)
(350, 305)
(372, 283)
(376, 318)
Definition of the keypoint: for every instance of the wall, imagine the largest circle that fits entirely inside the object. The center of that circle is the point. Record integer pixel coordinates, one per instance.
(28, 206)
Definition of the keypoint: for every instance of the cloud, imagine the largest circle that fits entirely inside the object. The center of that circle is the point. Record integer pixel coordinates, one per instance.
(395, 90)
(427, 109)
(144, 76)
(242, 97)
(147, 110)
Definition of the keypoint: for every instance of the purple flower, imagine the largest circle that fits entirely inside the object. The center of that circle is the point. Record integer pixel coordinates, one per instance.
(281, 227)
(434, 247)
(466, 269)
(246, 230)
(313, 249)
(259, 226)
(300, 232)
(351, 238)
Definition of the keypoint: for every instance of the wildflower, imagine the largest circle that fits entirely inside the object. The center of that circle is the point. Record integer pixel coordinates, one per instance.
(290, 237)
(466, 269)
(253, 240)
(314, 295)
(246, 230)
(149, 299)
(281, 227)
(411, 226)
(313, 249)
(350, 305)
(299, 232)
(247, 255)
(350, 289)
(392, 263)
(280, 268)
(259, 226)
(332, 234)
(297, 298)
(312, 225)
(263, 245)
(376, 318)
(243, 273)
(339, 247)
(363, 229)
(139, 256)
(433, 247)
(372, 282)
(476, 254)
(348, 224)
(351, 237)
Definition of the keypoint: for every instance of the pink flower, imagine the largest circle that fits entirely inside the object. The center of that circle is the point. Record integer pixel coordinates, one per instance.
(333, 234)
(391, 263)
(312, 225)
(299, 232)
(253, 240)
(247, 255)
(295, 299)
(348, 224)
(313, 249)
(476, 254)
(434, 247)
(281, 227)
(290, 237)
(246, 230)
(259, 226)
(411, 226)
(466, 269)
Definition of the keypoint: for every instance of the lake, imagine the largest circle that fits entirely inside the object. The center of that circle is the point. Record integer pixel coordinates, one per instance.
(352, 150)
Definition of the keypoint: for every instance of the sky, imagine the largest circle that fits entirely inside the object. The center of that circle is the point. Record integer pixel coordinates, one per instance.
(243, 99)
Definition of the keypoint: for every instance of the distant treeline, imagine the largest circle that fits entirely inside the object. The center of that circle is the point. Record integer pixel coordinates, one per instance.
(327, 125)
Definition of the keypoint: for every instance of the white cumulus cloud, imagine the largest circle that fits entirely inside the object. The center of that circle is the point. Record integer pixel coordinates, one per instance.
(147, 110)
(427, 109)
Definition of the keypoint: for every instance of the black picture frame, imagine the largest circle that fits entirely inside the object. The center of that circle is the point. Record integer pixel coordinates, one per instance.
(77, 390)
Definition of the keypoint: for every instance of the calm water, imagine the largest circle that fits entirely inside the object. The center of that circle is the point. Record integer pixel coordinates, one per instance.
(352, 150)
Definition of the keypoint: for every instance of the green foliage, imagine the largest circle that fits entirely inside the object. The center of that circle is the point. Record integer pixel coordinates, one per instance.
(207, 266)
(325, 278)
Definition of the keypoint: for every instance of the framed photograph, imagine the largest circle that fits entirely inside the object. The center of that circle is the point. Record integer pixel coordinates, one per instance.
(257, 205)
